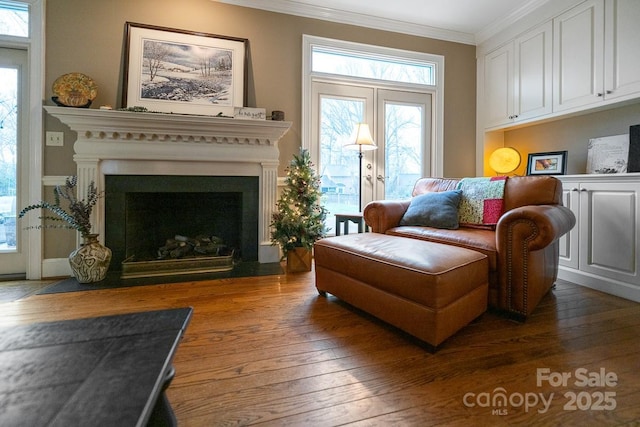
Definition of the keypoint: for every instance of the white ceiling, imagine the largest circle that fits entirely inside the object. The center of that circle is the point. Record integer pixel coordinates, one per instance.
(464, 21)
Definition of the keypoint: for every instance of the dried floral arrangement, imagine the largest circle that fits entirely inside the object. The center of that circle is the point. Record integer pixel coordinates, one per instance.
(78, 214)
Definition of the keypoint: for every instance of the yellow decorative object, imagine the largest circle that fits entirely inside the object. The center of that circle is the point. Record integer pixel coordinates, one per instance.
(504, 160)
(74, 90)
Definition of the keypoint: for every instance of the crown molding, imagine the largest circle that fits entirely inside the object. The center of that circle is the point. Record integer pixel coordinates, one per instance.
(505, 22)
(344, 17)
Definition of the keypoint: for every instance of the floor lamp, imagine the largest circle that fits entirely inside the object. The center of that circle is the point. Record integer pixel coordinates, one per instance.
(363, 142)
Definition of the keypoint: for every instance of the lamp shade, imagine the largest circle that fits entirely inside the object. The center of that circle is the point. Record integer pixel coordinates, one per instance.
(363, 140)
(504, 160)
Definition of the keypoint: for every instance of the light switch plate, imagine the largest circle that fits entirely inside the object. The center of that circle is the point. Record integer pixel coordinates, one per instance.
(55, 139)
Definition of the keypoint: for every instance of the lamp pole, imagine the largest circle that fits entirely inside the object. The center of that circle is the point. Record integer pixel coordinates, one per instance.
(360, 179)
(363, 142)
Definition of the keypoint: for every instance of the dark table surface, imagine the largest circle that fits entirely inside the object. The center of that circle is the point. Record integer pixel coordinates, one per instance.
(101, 371)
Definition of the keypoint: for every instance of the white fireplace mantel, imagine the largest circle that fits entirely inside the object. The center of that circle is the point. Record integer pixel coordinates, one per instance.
(113, 142)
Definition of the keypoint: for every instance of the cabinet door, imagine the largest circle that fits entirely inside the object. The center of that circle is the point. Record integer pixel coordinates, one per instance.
(532, 73)
(569, 248)
(608, 230)
(498, 86)
(578, 56)
(622, 39)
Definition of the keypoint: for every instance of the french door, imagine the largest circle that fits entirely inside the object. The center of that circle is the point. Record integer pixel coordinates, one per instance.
(13, 185)
(400, 123)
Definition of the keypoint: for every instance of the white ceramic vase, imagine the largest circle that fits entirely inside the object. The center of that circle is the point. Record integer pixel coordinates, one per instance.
(90, 262)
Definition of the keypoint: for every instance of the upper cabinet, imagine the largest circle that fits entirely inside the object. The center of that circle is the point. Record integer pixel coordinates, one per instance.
(578, 52)
(518, 78)
(622, 40)
(581, 59)
(498, 86)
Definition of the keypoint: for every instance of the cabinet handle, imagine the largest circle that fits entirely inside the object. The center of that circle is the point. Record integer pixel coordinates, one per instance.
(600, 94)
(584, 190)
(609, 92)
(574, 189)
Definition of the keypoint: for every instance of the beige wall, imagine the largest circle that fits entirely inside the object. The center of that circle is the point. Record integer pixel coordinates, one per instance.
(571, 134)
(87, 36)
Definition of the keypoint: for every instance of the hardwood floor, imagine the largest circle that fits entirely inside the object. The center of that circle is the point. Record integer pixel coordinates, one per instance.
(270, 351)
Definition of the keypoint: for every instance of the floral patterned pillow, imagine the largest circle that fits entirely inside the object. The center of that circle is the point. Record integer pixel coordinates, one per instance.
(482, 202)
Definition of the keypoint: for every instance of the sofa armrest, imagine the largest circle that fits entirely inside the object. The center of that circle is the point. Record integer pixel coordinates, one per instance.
(382, 215)
(537, 226)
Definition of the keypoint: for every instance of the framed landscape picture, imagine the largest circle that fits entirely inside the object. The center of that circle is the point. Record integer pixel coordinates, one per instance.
(183, 72)
(550, 163)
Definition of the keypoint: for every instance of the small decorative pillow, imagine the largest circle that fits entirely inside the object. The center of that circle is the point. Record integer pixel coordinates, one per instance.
(436, 209)
(482, 202)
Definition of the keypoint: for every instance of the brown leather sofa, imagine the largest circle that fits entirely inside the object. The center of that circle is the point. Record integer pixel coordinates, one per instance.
(522, 250)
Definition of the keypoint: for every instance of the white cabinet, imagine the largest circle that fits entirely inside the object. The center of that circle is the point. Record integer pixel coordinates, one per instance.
(595, 54)
(603, 249)
(518, 78)
(498, 86)
(578, 56)
(622, 39)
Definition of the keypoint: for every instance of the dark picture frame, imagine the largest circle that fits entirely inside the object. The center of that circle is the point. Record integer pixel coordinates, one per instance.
(549, 163)
(184, 72)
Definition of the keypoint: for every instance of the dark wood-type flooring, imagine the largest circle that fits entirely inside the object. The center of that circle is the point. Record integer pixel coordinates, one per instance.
(270, 351)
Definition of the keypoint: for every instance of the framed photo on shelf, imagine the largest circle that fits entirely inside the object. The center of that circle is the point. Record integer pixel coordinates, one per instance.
(183, 72)
(551, 163)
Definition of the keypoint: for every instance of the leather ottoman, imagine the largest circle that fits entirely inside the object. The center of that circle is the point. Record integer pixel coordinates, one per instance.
(429, 290)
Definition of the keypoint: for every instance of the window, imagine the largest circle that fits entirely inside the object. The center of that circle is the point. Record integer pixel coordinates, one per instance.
(357, 64)
(14, 19)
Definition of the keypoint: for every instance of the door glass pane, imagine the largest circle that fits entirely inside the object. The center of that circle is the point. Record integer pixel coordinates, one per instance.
(339, 167)
(403, 149)
(8, 156)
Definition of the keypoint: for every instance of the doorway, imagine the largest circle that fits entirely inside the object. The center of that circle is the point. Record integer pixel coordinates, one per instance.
(400, 122)
(13, 66)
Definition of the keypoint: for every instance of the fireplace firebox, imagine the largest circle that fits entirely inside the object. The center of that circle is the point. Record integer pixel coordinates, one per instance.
(143, 212)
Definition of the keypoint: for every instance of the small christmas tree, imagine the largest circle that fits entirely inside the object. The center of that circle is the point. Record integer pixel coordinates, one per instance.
(299, 220)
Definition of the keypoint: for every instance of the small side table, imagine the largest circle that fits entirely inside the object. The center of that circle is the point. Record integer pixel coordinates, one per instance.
(356, 218)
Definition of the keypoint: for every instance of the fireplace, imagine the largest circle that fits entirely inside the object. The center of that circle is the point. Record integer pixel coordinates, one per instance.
(169, 149)
(142, 213)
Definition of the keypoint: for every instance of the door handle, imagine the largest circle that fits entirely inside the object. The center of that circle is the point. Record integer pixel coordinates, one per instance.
(380, 178)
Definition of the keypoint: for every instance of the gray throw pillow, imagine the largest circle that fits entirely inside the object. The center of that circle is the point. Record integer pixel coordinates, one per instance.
(438, 210)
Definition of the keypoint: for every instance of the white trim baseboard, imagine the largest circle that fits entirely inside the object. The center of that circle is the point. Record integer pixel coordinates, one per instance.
(56, 267)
